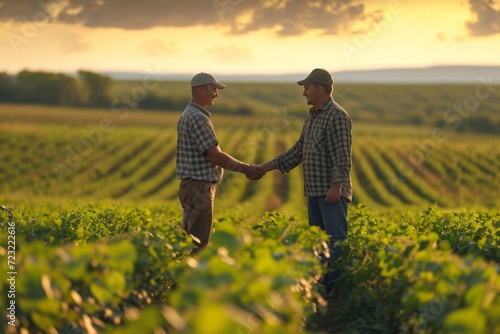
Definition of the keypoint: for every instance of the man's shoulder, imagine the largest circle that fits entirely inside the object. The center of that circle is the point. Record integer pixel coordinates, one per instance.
(194, 114)
(338, 111)
(190, 109)
(332, 108)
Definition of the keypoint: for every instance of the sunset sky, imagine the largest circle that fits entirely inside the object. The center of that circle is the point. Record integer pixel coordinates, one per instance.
(245, 36)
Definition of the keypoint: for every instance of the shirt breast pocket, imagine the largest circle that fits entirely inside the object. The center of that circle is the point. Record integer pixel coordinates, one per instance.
(319, 139)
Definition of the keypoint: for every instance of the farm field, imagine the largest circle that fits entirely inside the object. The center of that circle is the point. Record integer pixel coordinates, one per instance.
(130, 156)
(99, 247)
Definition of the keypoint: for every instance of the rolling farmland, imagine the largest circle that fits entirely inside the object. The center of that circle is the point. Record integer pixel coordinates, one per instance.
(89, 155)
(99, 247)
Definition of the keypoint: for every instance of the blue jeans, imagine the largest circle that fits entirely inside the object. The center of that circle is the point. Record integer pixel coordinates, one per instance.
(331, 218)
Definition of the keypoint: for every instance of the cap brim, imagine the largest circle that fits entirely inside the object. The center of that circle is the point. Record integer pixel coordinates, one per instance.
(219, 85)
(302, 82)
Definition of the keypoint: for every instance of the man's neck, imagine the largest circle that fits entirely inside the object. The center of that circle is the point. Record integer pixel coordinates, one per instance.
(198, 102)
(320, 103)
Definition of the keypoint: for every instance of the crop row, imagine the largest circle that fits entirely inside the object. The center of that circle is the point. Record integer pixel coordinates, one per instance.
(138, 163)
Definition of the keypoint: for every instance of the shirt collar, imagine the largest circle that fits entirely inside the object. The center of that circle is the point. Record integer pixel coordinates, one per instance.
(325, 106)
(200, 108)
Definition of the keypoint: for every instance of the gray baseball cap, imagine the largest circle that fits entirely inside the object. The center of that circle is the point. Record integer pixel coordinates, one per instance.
(202, 79)
(318, 76)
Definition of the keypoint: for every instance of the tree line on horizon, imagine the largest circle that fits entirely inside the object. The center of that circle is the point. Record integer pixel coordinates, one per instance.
(86, 89)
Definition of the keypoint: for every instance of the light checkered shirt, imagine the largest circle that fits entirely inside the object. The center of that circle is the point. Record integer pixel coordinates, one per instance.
(324, 148)
(196, 134)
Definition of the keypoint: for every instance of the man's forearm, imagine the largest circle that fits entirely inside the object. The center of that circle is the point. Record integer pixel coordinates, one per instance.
(226, 161)
(268, 166)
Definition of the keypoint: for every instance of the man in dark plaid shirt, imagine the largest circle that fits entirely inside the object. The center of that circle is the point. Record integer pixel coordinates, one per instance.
(324, 149)
(200, 162)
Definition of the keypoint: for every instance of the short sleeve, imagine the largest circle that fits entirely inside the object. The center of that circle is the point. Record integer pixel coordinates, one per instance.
(203, 133)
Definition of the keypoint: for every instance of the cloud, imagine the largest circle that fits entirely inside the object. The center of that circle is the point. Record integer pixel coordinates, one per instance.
(158, 47)
(73, 42)
(295, 17)
(230, 52)
(286, 17)
(442, 36)
(487, 18)
(124, 14)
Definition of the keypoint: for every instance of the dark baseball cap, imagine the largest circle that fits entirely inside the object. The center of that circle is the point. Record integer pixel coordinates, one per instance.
(318, 76)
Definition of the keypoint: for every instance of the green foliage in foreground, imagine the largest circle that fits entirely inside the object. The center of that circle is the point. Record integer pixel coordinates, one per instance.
(260, 278)
(407, 275)
(119, 269)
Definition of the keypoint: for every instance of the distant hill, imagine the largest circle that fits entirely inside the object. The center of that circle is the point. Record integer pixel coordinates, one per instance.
(435, 74)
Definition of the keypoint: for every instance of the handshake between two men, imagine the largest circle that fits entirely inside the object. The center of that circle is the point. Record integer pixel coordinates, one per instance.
(255, 172)
(224, 160)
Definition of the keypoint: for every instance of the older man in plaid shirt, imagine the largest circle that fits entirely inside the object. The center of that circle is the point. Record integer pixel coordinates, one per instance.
(324, 149)
(200, 162)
